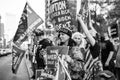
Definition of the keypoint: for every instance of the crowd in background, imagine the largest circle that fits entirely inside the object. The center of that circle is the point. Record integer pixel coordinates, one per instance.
(91, 56)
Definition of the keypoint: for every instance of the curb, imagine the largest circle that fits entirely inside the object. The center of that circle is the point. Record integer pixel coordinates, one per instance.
(5, 54)
(29, 70)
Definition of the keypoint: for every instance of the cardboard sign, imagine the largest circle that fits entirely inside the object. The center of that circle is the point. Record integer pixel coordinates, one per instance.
(53, 65)
(53, 52)
(54, 70)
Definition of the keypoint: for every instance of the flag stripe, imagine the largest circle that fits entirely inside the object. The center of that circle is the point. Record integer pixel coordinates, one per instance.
(89, 65)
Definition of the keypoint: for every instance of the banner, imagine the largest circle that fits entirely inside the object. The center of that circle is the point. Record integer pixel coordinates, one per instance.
(29, 21)
(58, 13)
(22, 27)
(17, 54)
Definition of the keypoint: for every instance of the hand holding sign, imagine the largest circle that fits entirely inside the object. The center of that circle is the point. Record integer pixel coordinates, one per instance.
(68, 58)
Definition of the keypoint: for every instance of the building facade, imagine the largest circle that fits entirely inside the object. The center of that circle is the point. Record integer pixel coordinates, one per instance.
(1, 34)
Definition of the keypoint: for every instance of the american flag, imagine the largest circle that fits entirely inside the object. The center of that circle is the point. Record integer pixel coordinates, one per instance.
(92, 66)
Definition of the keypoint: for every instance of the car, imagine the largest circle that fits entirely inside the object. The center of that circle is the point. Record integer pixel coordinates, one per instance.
(2, 51)
(5, 52)
(8, 50)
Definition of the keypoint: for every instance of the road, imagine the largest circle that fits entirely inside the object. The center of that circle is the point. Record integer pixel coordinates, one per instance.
(6, 73)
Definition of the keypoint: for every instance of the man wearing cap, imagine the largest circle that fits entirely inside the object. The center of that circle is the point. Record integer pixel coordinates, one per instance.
(65, 37)
(66, 40)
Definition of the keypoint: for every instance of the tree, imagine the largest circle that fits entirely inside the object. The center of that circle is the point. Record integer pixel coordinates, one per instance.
(108, 8)
(115, 13)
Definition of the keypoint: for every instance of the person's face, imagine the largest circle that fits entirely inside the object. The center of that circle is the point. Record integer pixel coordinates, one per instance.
(64, 37)
(77, 39)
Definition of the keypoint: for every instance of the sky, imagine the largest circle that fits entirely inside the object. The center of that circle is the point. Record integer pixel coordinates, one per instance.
(11, 10)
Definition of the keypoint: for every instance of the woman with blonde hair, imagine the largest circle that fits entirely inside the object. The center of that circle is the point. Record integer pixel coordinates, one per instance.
(77, 55)
(79, 38)
(79, 49)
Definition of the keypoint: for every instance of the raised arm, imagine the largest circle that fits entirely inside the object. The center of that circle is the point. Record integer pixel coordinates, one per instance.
(109, 58)
(86, 31)
(91, 26)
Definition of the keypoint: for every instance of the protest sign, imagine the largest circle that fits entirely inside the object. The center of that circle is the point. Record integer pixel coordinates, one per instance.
(52, 53)
(54, 67)
(59, 14)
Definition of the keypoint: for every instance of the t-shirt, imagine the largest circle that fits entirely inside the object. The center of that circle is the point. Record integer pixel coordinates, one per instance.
(95, 50)
(106, 51)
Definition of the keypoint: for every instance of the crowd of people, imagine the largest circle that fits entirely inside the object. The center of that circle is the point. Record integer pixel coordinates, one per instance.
(90, 57)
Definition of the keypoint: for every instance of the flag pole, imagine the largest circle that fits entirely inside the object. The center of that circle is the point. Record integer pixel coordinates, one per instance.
(64, 68)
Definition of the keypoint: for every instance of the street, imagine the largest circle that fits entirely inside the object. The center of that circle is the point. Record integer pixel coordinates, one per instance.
(6, 72)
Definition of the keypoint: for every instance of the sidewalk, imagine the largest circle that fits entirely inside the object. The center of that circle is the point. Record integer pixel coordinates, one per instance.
(6, 69)
(29, 67)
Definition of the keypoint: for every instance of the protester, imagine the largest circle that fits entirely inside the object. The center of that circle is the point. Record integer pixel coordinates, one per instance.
(66, 40)
(41, 51)
(36, 37)
(79, 38)
(78, 52)
(65, 37)
(103, 49)
(117, 65)
(75, 62)
(95, 49)
(80, 44)
(107, 53)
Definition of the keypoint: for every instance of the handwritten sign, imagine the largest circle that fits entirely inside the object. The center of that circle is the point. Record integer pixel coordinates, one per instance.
(52, 58)
(59, 14)
(53, 52)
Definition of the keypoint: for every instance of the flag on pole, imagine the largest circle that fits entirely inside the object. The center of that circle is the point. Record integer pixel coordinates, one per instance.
(22, 27)
(29, 21)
